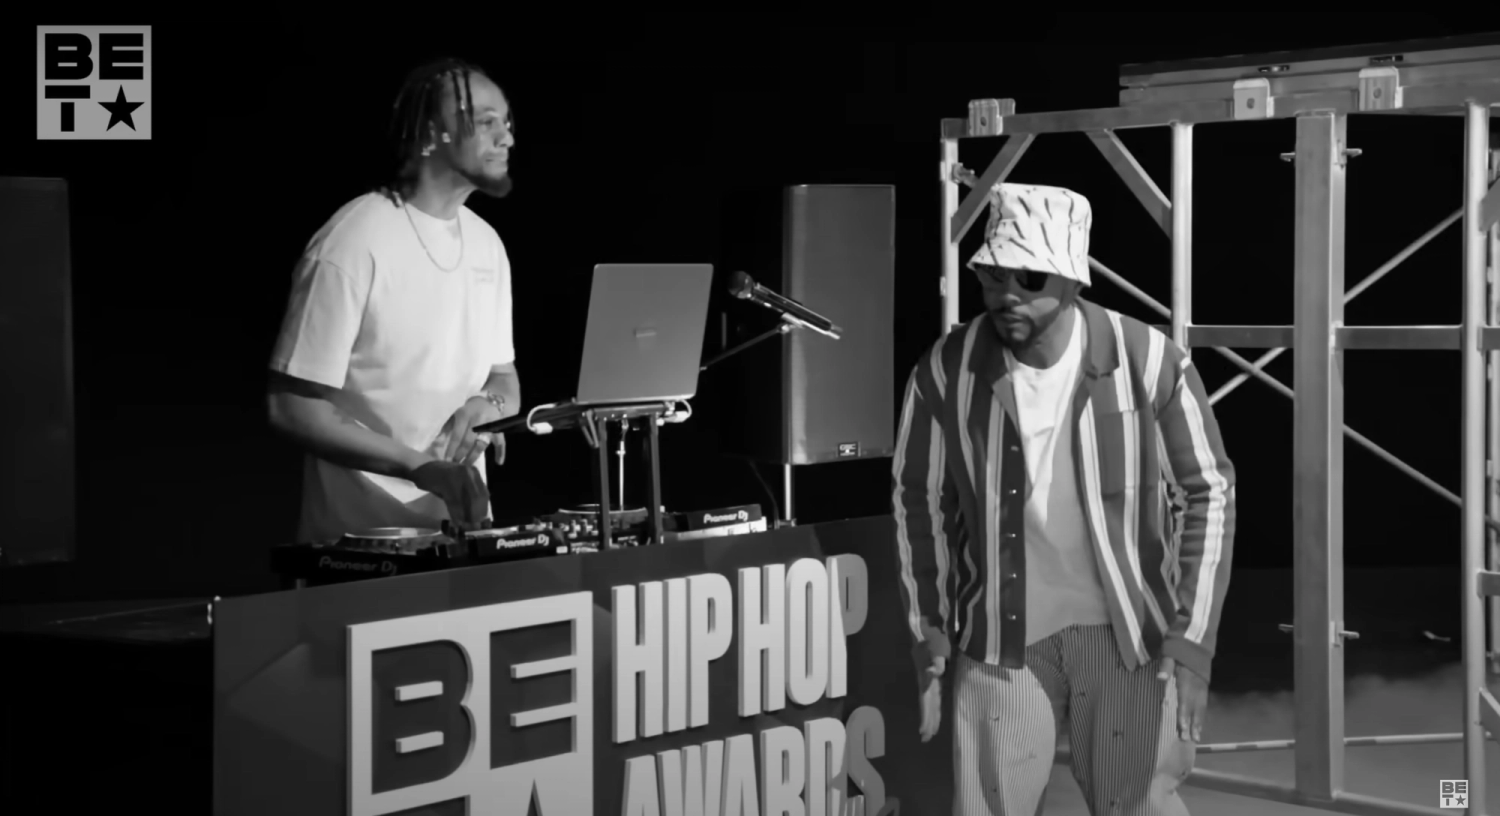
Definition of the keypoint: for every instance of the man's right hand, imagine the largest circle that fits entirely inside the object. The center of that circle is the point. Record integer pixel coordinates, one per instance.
(459, 486)
(931, 656)
(932, 703)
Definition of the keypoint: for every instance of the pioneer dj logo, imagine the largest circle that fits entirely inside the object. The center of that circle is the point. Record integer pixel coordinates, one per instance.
(383, 567)
(531, 541)
(432, 715)
(740, 516)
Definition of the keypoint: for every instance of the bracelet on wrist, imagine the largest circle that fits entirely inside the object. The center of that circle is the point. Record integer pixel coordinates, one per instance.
(497, 400)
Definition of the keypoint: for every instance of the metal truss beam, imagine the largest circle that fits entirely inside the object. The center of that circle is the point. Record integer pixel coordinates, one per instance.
(1349, 742)
(1489, 711)
(1356, 291)
(1253, 370)
(1317, 455)
(1348, 338)
(1476, 240)
(996, 173)
(1381, 77)
(1182, 232)
(1489, 209)
(1430, 100)
(1319, 92)
(1135, 177)
(1279, 338)
(1493, 415)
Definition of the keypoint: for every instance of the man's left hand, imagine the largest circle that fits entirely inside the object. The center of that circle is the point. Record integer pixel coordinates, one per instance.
(1192, 698)
(463, 444)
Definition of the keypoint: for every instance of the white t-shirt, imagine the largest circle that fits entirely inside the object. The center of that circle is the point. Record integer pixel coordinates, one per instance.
(406, 343)
(1062, 576)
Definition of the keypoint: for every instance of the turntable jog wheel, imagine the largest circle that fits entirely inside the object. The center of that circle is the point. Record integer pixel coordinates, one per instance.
(403, 540)
(593, 510)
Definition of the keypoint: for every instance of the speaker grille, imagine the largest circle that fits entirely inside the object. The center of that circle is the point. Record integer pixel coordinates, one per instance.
(816, 399)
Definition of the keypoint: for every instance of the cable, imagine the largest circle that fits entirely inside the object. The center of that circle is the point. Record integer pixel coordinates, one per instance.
(770, 494)
(674, 416)
(540, 427)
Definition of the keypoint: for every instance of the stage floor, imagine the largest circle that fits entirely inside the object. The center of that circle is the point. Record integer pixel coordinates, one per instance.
(1373, 706)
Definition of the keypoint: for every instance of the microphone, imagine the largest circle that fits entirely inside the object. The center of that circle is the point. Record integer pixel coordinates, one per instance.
(744, 287)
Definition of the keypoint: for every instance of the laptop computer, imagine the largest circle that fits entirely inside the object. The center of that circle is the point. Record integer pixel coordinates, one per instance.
(644, 337)
(643, 342)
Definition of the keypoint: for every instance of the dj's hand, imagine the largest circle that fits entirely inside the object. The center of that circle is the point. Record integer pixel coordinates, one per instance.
(463, 444)
(459, 486)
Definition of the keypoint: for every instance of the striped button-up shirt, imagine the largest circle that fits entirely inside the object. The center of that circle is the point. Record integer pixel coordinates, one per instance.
(1156, 486)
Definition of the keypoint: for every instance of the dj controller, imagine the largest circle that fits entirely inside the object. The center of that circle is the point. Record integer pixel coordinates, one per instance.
(391, 551)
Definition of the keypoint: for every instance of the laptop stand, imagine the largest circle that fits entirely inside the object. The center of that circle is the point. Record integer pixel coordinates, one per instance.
(595, 421)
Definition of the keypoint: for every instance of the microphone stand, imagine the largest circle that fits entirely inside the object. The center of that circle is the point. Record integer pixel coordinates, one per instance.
(786, 324)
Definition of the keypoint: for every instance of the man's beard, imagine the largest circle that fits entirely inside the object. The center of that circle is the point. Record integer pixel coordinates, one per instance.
(1017, 334)
(489, 185)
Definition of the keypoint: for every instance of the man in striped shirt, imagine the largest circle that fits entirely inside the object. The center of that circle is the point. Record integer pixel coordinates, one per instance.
(1065, 517)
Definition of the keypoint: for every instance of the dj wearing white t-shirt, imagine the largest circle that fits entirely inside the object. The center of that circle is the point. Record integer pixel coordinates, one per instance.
(398, 336)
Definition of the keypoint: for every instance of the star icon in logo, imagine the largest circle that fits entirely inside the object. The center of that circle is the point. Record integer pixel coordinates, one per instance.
(120, 110)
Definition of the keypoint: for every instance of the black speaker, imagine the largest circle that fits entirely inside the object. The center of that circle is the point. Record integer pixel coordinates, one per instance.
(36, 356)
(804, 398)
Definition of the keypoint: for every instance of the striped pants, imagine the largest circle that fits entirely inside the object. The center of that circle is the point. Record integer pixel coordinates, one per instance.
(1122, 729)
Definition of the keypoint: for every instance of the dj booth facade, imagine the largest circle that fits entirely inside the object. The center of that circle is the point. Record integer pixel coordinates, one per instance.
(735, 675)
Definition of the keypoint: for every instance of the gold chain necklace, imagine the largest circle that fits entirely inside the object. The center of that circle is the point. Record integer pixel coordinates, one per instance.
(407, 209)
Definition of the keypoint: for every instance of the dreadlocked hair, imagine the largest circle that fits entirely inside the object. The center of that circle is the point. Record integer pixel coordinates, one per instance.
(418, 107)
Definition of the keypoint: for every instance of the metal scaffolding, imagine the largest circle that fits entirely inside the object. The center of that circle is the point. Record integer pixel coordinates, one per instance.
(1319, 90)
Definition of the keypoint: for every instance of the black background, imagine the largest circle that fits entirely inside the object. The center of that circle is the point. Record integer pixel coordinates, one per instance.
(632, 133)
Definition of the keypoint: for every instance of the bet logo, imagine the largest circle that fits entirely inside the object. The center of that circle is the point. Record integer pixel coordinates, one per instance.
(93, 82)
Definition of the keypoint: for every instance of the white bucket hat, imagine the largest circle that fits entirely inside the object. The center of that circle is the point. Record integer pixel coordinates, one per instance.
(1043, 229)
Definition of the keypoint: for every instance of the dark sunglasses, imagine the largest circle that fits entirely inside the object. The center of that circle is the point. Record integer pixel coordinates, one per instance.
(1024, 278)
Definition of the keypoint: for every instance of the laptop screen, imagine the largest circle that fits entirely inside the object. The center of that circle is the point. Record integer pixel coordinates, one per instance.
(644, 340)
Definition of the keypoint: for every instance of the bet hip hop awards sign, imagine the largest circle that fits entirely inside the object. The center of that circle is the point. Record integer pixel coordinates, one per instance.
(423, 713)
(93, 82)
(438, 711)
